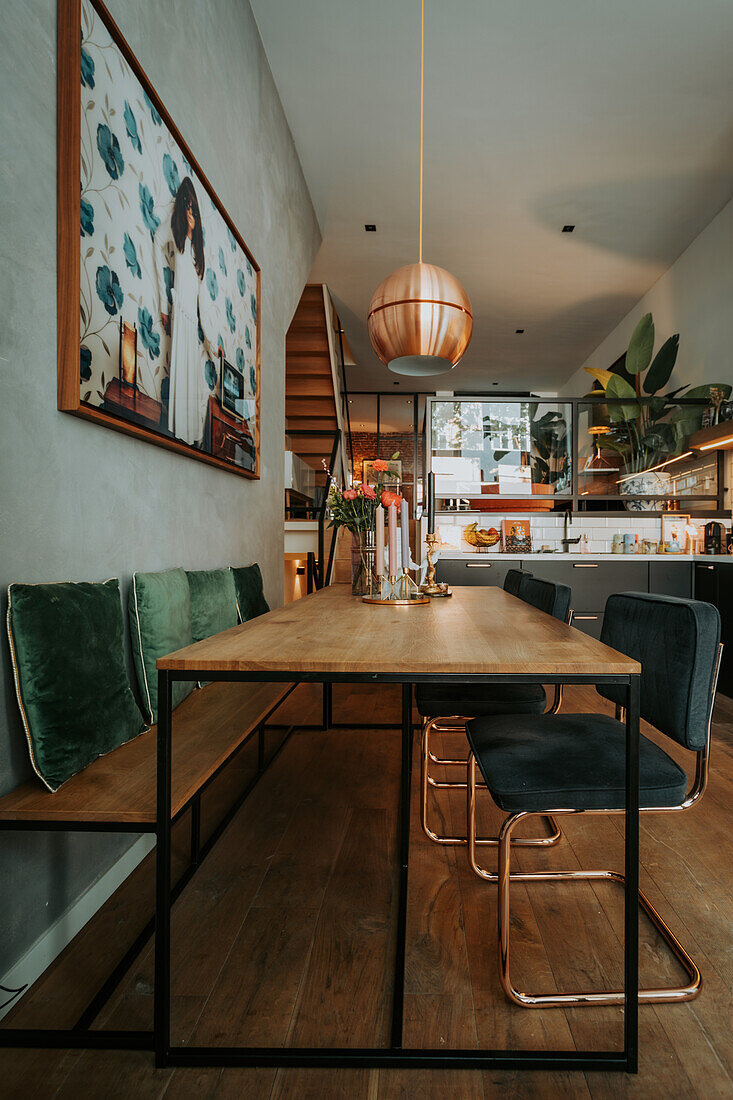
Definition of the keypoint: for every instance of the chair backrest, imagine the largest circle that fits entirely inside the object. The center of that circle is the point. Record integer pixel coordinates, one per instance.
(676, 642)
(513, 581)
(546, 596)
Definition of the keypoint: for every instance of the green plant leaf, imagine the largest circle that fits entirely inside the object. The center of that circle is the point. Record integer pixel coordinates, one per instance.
(602, 376)
(704, 391)
(663, 365)
(619, 387)
(641, 346)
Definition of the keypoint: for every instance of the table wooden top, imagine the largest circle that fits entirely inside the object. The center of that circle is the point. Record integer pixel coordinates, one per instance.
(480, 630)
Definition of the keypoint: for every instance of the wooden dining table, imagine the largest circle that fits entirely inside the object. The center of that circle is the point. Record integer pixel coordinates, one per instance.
(479, 635)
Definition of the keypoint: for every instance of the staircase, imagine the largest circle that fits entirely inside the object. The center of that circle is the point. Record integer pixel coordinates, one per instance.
(312, 381)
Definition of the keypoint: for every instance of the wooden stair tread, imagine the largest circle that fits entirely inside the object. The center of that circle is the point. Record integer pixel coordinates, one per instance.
(121, 786)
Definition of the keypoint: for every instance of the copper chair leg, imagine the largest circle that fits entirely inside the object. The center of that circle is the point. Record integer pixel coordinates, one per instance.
(554, 834)
(576, 999)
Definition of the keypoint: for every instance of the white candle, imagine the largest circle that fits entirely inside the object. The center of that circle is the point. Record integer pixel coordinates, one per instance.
(405, 530)
(379, 542)
(392, 539)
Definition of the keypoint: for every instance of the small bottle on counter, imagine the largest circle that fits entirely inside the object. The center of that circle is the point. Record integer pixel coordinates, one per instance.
(617, 543)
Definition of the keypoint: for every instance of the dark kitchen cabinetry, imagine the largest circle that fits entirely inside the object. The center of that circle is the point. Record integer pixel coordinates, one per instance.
(671, 578)
(455, 572)
(714, 583)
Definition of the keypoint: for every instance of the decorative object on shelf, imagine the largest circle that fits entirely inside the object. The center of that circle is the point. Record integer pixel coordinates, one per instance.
(128, 354)
(420, 317)
(649, 430)
(157, 247)
(516, 536)
(480, 537)
(674, 528)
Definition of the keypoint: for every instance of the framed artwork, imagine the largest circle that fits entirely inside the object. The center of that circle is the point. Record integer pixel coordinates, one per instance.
(390, 480)
(675, 531)
(158, 295)
(516, 536)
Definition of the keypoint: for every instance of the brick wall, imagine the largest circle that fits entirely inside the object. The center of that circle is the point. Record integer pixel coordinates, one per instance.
(365, 447)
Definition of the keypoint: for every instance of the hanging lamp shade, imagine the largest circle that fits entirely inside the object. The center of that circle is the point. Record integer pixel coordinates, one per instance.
(420, 320)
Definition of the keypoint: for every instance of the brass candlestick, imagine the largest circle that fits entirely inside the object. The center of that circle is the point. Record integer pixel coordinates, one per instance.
(431, 588)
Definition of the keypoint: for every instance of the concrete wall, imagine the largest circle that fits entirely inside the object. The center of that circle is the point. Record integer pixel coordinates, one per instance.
(79, 501)
(694, 298)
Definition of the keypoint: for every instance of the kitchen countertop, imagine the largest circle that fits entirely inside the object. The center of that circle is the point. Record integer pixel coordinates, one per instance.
(457, 555)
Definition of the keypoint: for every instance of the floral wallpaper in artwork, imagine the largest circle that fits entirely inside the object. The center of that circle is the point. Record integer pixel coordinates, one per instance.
(133, 173)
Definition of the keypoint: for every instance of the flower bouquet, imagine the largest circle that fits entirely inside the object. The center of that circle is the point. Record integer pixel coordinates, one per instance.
(355, 509)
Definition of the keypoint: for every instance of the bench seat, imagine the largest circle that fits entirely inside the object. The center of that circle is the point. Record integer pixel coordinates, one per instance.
(120, 787)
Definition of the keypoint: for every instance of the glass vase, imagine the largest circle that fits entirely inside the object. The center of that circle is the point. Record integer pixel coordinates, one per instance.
(362, 562)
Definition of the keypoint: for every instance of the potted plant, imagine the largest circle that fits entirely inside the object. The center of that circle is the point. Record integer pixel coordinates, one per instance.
(647, 429)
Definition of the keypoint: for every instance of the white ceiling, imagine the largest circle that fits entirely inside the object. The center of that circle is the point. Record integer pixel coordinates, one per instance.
(614, 115)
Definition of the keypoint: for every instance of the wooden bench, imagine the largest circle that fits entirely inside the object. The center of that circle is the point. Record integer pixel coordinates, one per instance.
(119, 789)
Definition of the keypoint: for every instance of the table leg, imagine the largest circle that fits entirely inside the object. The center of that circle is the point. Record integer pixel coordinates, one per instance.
(162, 978)
(403, 832)
(631, 899)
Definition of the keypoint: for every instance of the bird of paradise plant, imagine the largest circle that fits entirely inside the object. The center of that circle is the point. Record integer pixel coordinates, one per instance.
(648, 428)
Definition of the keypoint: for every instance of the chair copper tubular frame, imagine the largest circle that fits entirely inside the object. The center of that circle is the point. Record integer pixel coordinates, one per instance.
(457, 724)
(426, 781)
(662, 995)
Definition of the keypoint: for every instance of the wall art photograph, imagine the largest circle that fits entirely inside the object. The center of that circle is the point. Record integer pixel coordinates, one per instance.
(164, 276)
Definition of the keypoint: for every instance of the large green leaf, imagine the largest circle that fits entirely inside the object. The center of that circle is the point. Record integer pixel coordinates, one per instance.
(641, 346)
(704, 390)
(619, 387)
(663, 365)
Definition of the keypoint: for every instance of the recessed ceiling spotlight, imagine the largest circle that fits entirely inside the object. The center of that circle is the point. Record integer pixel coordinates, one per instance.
(494, 383)
(568, 228)
(518, 331)
(396, 383)
(369, 228)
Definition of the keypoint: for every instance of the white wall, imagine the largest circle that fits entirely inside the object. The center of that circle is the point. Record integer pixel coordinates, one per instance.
(695, 298)
(81, 502)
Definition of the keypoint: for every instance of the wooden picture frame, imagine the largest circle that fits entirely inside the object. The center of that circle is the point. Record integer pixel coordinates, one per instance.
(142, 414)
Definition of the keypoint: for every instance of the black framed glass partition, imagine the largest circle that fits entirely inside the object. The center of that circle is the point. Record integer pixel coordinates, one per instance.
(591, 454)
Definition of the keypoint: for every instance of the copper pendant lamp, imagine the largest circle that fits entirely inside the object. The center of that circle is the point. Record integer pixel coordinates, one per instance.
(420, 318)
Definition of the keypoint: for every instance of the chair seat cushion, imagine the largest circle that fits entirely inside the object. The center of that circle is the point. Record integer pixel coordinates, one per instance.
(479, 700)
(568, 761)
(75, 699)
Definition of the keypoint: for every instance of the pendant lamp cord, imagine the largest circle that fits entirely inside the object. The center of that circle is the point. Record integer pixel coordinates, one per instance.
(422, 71)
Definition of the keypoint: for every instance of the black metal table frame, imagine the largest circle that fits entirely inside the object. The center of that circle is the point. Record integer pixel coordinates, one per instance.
(396, 1055)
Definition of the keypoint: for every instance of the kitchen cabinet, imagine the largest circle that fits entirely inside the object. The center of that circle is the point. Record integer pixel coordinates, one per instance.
(671, 578)
(457, 572)
(714, 583)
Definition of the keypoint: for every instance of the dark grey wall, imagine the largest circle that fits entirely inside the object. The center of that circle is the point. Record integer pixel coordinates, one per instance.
(81, 502)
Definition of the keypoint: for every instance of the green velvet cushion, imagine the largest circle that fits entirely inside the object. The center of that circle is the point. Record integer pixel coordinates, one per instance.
(676, 642)
(568, 761)
(213, 602)
(250, 592)
(67, 646)
(159, 607)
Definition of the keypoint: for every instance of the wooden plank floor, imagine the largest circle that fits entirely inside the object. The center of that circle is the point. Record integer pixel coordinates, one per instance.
(285, 935)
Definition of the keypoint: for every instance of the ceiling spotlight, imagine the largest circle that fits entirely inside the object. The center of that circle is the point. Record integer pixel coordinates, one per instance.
(494, 383)
(518, 331)
(568, 228)
(370, 228)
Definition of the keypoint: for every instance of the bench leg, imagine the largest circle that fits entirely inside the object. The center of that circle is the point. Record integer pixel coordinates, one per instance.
(162, 980)
(195, 847)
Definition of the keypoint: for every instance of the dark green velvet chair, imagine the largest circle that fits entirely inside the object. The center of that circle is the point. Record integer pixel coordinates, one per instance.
(513, 581)
(447, 708)
(557, 764)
